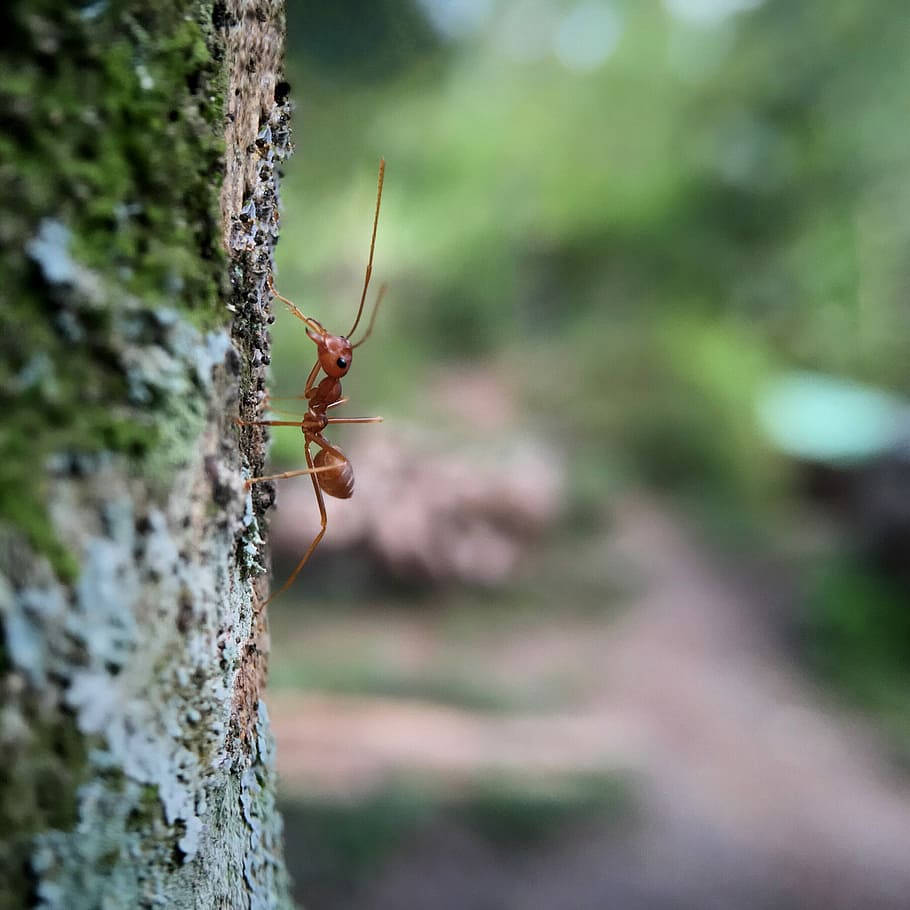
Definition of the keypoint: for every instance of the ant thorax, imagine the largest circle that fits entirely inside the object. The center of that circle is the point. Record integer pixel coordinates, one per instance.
(314, 422)
(326, 393)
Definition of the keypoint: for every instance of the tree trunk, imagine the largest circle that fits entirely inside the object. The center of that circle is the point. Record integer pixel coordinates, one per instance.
(138, 151)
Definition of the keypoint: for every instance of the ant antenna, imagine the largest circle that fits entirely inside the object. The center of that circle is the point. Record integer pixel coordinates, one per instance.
(366, 280)
(382, 291)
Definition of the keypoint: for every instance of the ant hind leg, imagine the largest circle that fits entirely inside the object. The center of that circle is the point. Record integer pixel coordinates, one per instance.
(322, 519)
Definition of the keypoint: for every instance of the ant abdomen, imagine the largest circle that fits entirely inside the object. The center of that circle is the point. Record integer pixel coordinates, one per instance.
(338, 481)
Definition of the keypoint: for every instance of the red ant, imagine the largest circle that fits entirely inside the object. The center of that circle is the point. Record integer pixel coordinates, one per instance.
(330, 470)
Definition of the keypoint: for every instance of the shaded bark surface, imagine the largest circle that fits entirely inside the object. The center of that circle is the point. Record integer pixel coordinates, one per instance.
(138, 175)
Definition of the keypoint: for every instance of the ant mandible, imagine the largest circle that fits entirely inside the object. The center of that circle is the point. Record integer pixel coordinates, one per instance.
(330, 470)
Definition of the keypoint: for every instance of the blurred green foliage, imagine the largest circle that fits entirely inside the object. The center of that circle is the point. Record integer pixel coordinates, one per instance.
(858, 629)
(643, 243)
(521, 812)
(746, 180)
(344, 841)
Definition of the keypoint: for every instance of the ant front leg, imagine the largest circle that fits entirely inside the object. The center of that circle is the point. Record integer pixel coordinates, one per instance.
(286, 413)
(311, 324)
(266, 423)
(269, 398)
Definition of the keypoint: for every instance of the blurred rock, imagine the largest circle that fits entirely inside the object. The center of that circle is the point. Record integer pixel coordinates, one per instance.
(465, 515)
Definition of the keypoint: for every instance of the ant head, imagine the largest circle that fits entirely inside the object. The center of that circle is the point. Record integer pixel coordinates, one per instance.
(334, 351)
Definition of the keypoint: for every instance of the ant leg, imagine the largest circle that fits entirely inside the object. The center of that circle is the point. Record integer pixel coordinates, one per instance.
(269, 398)
(287, 413)
(310, 323)
(322, 518)
(286, 474)
(311, 379)
(266, 423)
(266, 403)
(354, 420)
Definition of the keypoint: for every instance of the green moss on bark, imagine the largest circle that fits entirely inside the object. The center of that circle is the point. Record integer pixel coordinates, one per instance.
(111, 121)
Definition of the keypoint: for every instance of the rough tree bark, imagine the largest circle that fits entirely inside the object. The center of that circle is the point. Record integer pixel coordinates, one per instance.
(138, 151)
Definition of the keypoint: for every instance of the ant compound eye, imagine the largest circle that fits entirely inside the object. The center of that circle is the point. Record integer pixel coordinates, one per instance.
(341, 363)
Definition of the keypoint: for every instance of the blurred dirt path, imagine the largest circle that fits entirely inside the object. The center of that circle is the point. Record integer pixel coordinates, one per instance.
(740, 759)
(740, 742)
